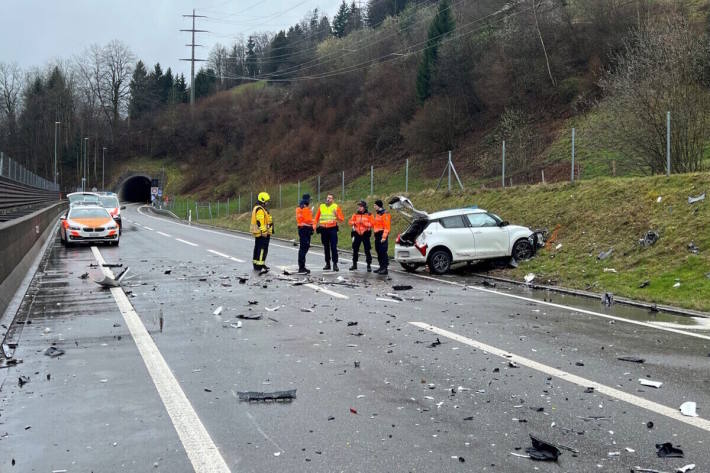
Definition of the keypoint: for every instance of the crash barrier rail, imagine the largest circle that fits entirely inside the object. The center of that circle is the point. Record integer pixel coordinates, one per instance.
(19, 242)
(14, 171)
(19, 199)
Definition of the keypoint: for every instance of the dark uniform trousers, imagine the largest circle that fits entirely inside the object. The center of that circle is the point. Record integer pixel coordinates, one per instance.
(329, 237)
(261, 249)
(304, 238)
(381, 248)
(365, 240)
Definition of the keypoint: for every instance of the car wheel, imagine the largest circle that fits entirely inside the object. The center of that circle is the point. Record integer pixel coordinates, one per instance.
(522, 250)
(439, 261)
(409, 267)
(116, 242)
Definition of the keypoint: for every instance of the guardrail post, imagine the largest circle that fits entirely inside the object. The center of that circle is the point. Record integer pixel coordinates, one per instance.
(2, 161)
(227, 207)
(406, 175)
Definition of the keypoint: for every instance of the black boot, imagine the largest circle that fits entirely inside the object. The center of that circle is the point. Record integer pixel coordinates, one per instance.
(353, 267)
(335, 267)
(326, 267)
(369, 268)
(303, 270)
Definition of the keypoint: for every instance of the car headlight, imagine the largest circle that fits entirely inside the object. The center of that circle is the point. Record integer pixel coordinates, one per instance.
(74, 227)
(112, 226)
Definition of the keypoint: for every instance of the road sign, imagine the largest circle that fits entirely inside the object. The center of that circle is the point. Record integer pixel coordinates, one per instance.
(154, 190)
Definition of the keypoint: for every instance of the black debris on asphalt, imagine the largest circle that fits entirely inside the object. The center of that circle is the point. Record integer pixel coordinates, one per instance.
(667, 450)
(22, 380)
(631, 359)
(53, 352)
(402, 287)
(542, 451)
(288, 395)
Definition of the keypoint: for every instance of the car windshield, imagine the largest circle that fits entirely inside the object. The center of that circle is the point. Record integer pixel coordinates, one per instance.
(83, 198)
(88, 213)
(109, 202)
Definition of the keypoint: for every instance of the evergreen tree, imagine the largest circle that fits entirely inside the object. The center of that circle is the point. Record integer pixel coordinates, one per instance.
(205, 83)
(181, 94)
(140, 100)
(340, 20)
(252, 64)
(278, 53)
(441, 25)
(324, 28)
(166, 86)
(355, 20)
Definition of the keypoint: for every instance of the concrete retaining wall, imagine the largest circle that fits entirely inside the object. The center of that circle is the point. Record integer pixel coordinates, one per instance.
(20, 241)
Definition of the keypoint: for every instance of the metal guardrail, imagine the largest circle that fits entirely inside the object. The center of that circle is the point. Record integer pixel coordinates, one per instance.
(14, 171)
(17, 200)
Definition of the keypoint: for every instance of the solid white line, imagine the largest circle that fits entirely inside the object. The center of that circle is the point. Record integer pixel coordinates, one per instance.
(454, 283)
(660, 409)
(214, 252)
(198, 444)
(147, 228)
(164, 234)
(337, 295)
(186, 242)
(566, 307)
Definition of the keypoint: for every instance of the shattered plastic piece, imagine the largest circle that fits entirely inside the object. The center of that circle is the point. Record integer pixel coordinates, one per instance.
(217, 311)
(352, 324)
(677, 284)
(436, 343)
(519, 455)
(610, 270)
(53, 352)
(385, 299)
(542, 451)
(608, 298)
(249, 317)
(684, 469)
(700, 198)
(558, 247)
(660, 198)
(395, 297)
(649, 239)
(168, 271)
(513, 263)
(648, 382)
(667, 450)
(693, 248)
(108, 281)
(353, 411)
(644, 284)
(605, 254)
(631, 359)
(529, 278)
(272, 309)
(22, 380)
(84, 276)
(645, 470)
(263, 396)
(242, 280)
(253, 302)
(403, 287)
(688, 409)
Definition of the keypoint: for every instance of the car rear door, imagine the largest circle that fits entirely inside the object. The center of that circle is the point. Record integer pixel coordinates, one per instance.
(457, 236)
(491, 240)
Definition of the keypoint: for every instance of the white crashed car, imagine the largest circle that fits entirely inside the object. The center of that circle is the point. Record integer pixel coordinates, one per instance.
(441, 239)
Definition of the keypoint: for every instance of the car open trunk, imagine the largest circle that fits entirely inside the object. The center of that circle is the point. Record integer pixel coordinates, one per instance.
(418, 219)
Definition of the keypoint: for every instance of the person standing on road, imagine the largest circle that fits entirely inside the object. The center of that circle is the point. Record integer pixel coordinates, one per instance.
(304, 220)
(382, 222)
(262, 227)
(361, 222)
(326, 223)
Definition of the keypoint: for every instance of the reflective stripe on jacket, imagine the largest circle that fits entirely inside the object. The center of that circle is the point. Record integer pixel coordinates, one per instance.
(328, 216)
(382, 223)
(304, 217)
(262, 223)
(361, 223)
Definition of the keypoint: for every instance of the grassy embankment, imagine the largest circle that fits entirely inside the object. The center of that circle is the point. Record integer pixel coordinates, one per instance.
(594, 215)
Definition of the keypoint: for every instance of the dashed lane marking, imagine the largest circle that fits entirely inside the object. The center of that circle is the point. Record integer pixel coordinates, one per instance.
(147, 228)
(164, 234)
(186, 242)
(200, 449)
(316, 288)
(660, 409)
(214, 252)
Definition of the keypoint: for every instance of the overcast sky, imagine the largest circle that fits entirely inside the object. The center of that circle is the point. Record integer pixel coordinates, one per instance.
(35, 32)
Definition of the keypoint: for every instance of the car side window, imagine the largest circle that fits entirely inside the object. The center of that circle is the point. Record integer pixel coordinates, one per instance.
(481, 220)
(452, 222)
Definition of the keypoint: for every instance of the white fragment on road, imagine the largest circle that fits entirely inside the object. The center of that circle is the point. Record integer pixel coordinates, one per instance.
(316, 288)
(273, 309)
(688, 409)
(684, 469)
(276, 454)
(638, 401)
(613, 454)
(186, 242)
(630, 450)
(217, 311)
(652, 384)
(529, 277)
(519, 455)
(384, 299)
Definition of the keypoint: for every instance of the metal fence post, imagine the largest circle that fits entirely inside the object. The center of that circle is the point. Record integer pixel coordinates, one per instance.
(406, 175)
(343, 199)
(372, 180)
(448, 166)
(280, 201)
(227, 207)
(668, 144)
(251, 199)
(218, 209)
(503, 167)
(572, 177)
(209, 209)
(298, 193)
(318, 188)
(543, 176)
(197, 212)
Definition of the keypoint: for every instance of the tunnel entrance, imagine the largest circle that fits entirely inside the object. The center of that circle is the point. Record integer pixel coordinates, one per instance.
(135, 189)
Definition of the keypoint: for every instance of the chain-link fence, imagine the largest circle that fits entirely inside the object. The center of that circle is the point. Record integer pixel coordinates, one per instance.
(11, 169)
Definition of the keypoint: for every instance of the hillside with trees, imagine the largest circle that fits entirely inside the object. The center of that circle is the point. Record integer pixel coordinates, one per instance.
(394, 80)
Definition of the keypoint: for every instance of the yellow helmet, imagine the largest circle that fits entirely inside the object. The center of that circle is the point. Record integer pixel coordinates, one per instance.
(263, 197)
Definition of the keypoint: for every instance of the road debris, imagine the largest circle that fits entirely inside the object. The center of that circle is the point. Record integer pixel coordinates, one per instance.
(645, 283)
(684, 469)
(217, 311)
(253, 302)
(385, 299)
(84, 276)
(649, 239)
(273, 309)
(608, 299)
(693, 248)
(610, 270)
(402, 287)
(242, 280)
(542, 451)
(688, 408)
(631, 359)
(700, 198)
(520, 455)
(353, 411)
(529, 278)
(53, 352)
(648, 382)
(605, 254)
(667, 450)
(304, 309)
(168, 271)
(435, 343)
(249, 317)
(108, 281)
(288, 395)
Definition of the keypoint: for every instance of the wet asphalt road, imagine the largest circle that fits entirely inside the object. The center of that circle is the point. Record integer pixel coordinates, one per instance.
(408, 406)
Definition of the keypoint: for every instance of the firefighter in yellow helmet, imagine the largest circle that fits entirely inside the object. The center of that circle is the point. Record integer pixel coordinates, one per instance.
(262, 227)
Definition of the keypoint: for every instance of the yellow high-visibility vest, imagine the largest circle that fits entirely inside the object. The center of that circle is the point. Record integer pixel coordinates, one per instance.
(262, 223)
(328, 214)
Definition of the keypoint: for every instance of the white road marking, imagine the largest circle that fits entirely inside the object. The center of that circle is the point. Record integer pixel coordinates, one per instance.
(186, 242)
(660, 409)
(454, 283)
(147, 228)
(200, 449)
(337, 295)
(566, 307)
(214, 252)
(164, 234)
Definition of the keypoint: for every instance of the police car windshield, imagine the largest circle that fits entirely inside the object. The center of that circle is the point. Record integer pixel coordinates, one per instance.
(83, 198)
(88, 213)
(109, 202)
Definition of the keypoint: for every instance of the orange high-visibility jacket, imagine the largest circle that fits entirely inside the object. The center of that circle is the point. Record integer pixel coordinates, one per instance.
(382, 223)
(361, 223)
(328, 216)
(304, 217)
